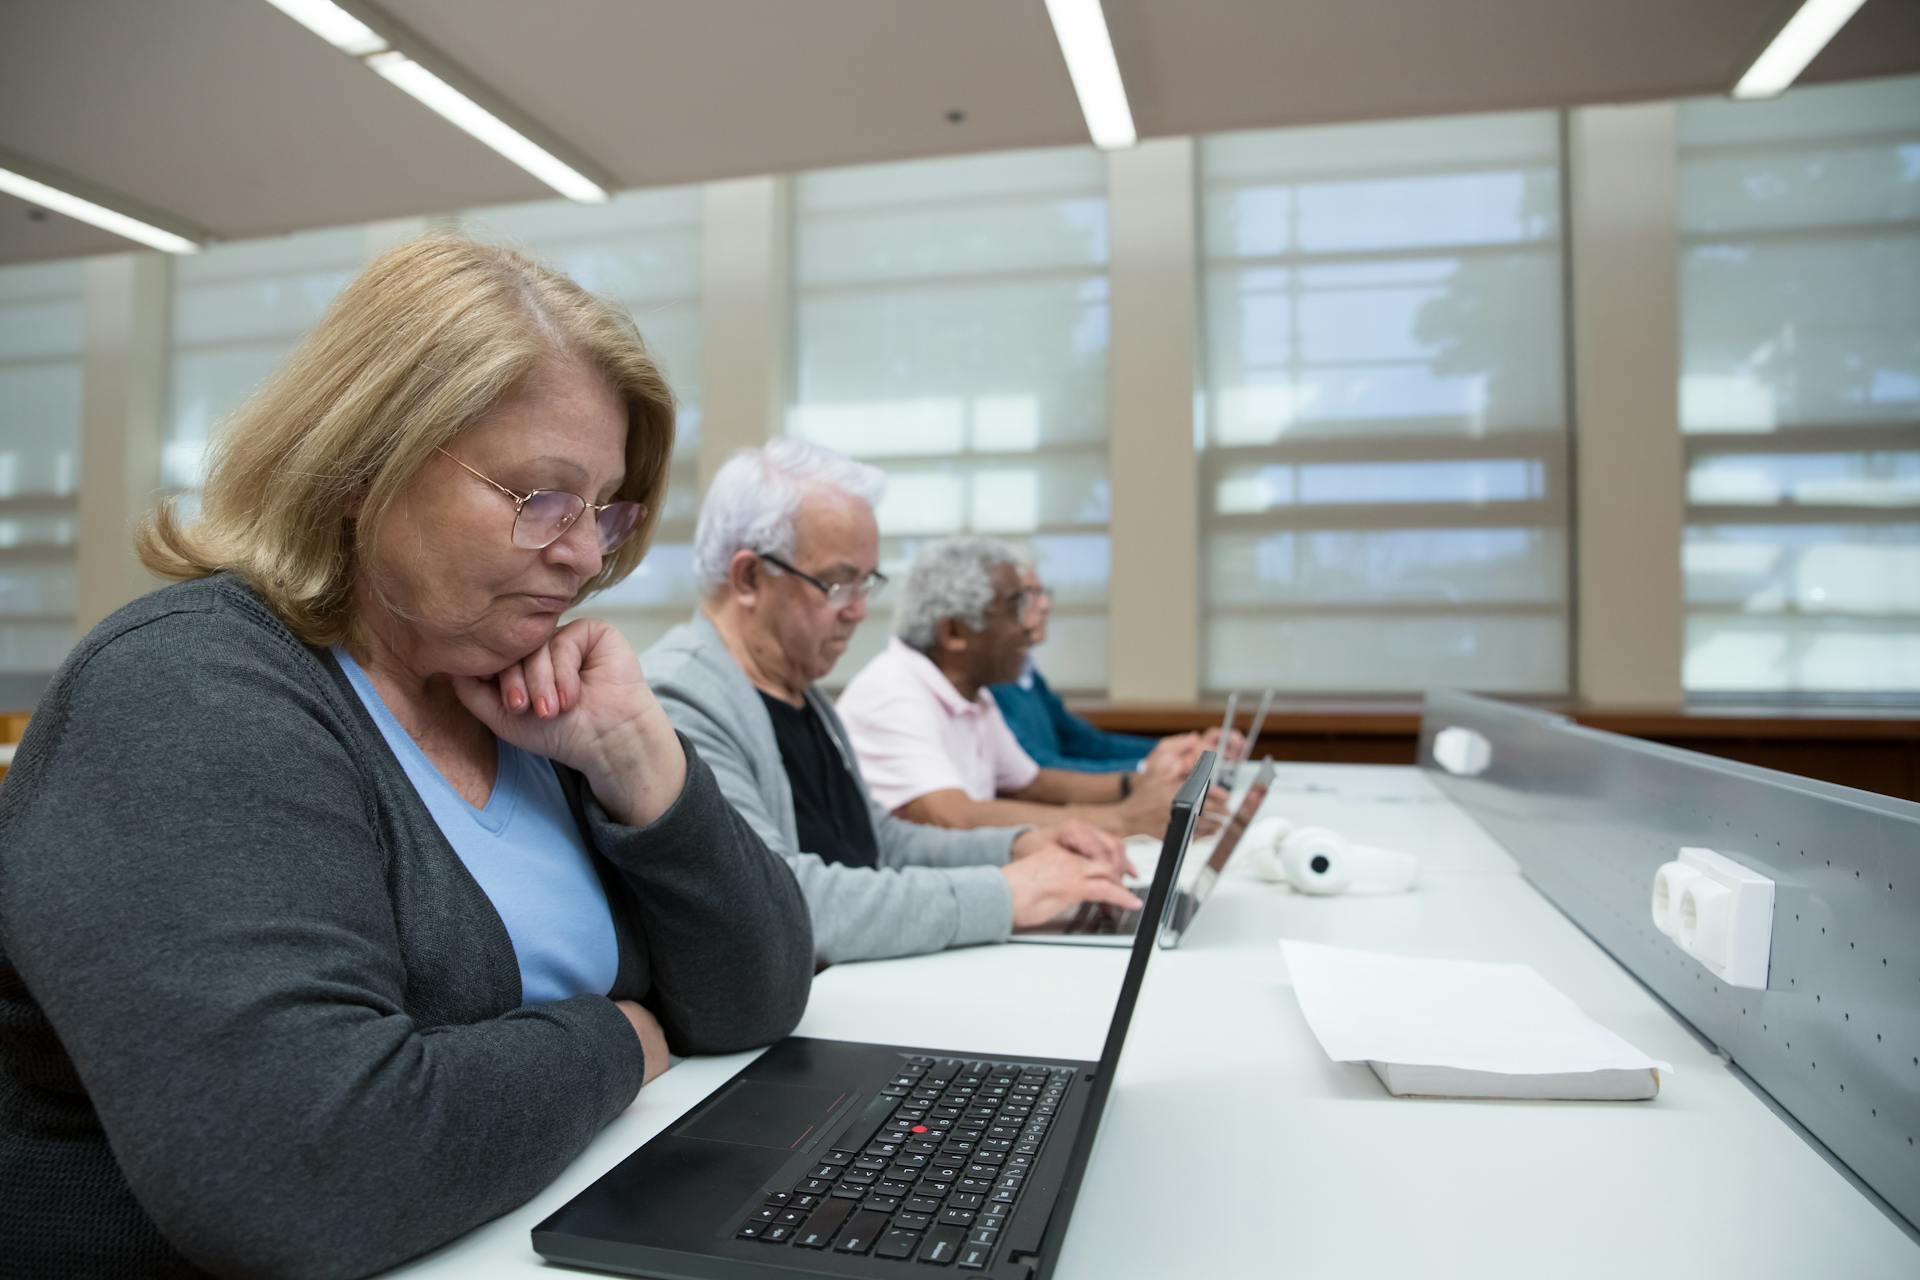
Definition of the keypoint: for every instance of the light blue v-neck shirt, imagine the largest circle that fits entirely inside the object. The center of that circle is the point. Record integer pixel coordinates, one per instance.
(527, 854)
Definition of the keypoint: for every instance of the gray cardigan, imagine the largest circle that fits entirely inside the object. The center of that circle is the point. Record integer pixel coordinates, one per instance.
(256, 1018)
(934, 888)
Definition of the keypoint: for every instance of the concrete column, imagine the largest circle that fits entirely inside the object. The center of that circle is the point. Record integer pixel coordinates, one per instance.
(1630, 481)
(1154, 619)
(122, 423)
(745, 315)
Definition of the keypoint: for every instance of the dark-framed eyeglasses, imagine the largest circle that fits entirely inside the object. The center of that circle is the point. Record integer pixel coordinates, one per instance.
(867, 587)
(543, 516)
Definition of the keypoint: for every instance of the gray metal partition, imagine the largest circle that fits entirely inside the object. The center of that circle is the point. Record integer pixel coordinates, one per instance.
(1835, 1037)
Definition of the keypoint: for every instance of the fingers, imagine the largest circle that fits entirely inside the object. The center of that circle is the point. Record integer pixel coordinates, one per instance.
(513, 689)
(1099, 888)
(482, 697)
(538, 667)
(566, 654)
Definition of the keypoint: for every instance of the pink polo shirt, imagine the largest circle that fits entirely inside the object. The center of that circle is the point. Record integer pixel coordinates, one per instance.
(915, 734)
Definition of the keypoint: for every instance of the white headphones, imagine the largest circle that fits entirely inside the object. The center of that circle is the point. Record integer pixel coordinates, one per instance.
(1320, 861)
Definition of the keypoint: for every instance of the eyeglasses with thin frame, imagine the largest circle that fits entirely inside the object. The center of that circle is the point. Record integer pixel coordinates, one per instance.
(1021, 603)
(543, 516)
(838, 594)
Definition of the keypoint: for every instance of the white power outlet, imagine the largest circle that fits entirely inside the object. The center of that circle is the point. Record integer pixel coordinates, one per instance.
(1719, 912)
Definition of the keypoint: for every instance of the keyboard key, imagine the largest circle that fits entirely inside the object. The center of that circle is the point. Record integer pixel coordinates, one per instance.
(791, 1217)
(896, 1244)
(983, 1235)
(847, 1191)
(804, 1202)
(859, 1178)
(913, 1221)
(815, 1187)
(940, 1247)
(921, 1204)
(881, 1204)
(834, 1159)
(776, 1234)
(860, 1232)
(779, 1197)
(894, 1186)
(956, 1217)
(825, 1171)
(820, 1228)
(871, 1163)
(973, 1257)
(751, 1231)
(975, 1184)
(966, 1200)
(926, 1188)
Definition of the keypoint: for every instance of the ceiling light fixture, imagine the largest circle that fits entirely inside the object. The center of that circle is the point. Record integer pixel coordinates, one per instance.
(1798, 43)
(79, 209)
(333, 24)
(408, 64)
(1081, 28)
(458, 109)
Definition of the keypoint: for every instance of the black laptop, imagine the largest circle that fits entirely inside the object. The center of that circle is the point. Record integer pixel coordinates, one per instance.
(831, 1158)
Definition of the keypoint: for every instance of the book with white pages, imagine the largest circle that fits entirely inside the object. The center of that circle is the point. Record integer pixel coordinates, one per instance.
(1462, 1028)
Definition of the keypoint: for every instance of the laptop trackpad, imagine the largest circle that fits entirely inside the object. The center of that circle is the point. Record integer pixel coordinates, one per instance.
(760, 1114)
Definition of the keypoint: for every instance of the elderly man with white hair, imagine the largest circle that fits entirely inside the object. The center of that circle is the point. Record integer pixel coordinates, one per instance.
(786, 556)
(931, 741)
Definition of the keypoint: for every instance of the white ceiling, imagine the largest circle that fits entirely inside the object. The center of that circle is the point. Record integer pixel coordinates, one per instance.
(230, 117)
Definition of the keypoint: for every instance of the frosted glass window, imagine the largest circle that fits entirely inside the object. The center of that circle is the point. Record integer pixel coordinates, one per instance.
(1800, 391)
(237, 311)
(1384, 408)
(42, 349)
(951, 327)
(640, 250)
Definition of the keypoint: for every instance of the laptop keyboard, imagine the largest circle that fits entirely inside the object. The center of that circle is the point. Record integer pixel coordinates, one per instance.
(930, 1171)
(1098, 917)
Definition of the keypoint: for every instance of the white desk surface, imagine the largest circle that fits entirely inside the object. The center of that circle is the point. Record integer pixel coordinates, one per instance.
(1231, 1146)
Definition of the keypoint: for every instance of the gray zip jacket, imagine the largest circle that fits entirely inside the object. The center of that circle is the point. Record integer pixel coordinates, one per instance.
(934, 888)
(256, 1017)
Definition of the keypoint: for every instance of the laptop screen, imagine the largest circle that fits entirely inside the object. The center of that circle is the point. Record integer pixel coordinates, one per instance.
(1242, 818)
(1186, 807)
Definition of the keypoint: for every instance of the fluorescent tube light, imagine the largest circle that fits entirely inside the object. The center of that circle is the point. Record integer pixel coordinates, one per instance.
(96, 215)
(333, 24)
(1804, 36)
(460, 110)
(1081, 28)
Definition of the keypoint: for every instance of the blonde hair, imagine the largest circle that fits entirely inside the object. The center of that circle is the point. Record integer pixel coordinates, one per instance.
(430, 337)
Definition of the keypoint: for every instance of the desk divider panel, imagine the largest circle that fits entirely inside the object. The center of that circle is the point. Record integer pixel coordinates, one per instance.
(1835, 1036)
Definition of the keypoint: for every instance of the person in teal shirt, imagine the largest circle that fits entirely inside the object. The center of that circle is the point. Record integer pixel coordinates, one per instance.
(1058, 739)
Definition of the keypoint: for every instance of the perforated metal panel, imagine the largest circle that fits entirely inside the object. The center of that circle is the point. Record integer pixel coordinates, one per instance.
(1835, 1037)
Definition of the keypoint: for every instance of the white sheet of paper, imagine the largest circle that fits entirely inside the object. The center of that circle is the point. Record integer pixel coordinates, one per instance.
(1367, 1007)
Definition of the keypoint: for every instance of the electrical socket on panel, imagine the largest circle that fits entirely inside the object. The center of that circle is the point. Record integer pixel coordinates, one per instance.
(1719, 912)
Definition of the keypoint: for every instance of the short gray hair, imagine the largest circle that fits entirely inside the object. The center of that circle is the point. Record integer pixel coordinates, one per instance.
(754, 498)
(952, 578)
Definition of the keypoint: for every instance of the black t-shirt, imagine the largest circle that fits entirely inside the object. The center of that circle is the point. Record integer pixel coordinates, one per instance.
(828, 807)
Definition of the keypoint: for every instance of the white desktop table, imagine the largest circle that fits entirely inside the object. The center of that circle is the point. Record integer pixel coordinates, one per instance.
(1231, 1146)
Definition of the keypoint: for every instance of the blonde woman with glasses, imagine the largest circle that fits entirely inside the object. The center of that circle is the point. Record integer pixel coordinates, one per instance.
(344, 893)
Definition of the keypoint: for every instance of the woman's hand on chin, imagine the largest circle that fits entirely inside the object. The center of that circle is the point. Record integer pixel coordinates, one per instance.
(580, 699)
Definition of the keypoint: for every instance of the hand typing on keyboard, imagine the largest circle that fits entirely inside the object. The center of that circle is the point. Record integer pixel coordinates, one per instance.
(1053, 880)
